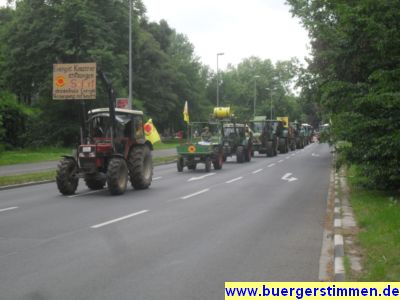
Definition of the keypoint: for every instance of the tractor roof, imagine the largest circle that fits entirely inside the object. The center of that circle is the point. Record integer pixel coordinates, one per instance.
(259, 118)
(232, 125)
(117, 110)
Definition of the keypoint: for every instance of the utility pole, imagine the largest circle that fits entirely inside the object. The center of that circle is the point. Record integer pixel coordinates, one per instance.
(130, 55)
(218, 54)
(255, 94)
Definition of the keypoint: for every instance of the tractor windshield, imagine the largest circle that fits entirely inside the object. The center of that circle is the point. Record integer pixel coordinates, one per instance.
(205, 132)
(100, 125)
(257, 127)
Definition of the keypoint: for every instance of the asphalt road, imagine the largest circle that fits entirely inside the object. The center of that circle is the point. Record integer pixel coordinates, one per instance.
(181, 239)
(51, 165)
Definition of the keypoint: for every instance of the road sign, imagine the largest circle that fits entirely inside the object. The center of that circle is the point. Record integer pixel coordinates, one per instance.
(74, 81)
(122, 103)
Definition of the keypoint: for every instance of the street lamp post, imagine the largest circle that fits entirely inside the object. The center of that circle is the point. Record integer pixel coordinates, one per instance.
(270, 93)
(255, 94)
(218, 54)
(130, 55)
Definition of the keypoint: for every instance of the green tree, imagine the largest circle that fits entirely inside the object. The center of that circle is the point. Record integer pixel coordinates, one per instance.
(355, 70)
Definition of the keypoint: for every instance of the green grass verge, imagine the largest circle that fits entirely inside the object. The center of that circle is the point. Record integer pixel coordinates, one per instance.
(53, 153)
(165, 145)
(32, 155)
(25, 178)
(50, 175)
(378, 215)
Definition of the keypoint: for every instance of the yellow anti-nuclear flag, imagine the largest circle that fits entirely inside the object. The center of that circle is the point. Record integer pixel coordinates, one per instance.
(151, 132)
(186, 112)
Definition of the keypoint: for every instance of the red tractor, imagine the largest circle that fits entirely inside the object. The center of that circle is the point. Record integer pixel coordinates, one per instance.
(113, 150)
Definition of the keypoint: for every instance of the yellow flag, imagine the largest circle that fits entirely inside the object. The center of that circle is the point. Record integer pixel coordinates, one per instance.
(186, 112)
(151, 132)
(285, 121)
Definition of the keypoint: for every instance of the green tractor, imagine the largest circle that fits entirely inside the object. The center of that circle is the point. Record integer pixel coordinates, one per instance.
(202, 146)
(283, 135)
(265, 135)
(299, 135)
(308, 132)
(237, 140)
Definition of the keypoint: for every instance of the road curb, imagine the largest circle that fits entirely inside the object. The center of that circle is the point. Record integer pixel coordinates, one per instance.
(325, 260)
(338, 241)
(14, 186)
(31, 183)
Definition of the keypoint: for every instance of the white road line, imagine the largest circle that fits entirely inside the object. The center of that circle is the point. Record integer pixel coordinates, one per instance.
(280, 161)
(270, 165)
(287, 157)
(201, 177)
(293, 154)
(119, 219)
(157, 178)
(234, 179)
(8, 208)
(194, 194)
(83, 194)
(256, 171)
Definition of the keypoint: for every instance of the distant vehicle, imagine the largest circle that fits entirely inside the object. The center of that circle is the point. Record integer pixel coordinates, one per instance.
(205, 148)
(265, 135)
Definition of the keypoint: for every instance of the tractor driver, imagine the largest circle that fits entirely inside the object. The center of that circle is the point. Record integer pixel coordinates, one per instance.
(206, 134)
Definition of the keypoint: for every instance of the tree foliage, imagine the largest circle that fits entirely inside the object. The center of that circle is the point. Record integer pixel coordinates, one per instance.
(166, 71)
(355, 73)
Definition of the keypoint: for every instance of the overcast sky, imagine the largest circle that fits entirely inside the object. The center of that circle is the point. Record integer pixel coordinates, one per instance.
(240, 29)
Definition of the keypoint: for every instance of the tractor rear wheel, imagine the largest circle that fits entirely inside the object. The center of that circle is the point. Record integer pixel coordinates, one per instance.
(140, 167)
(247, 154)
(239, 154)
(179, 164)
(208, 164)
(117, 176)
(94, 183)
(270, 150)
(218, 161)
(67, 176)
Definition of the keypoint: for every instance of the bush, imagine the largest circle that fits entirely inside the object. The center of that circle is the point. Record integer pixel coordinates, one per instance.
(14, 118)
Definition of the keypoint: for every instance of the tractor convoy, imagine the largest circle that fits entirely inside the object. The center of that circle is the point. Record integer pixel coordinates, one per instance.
(113, 148)
(222, 136)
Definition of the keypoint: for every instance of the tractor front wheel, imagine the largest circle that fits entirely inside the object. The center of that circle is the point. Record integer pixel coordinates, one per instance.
(117, 176)
(140, 167)
(67, 176)
(240, 154)
(179, 164)
(208, 164)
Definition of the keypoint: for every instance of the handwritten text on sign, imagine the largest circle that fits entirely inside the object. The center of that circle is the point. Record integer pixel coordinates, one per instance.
(74, 81)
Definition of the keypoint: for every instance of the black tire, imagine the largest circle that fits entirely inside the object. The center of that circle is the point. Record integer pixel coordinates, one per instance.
(240, 154)
(270, 150)
(94, 183)
(218, 161)
(208, 164)
(224, 158)
(67, 176)
(247, 154)
(140, 167)
(179, 164)
(117, 176)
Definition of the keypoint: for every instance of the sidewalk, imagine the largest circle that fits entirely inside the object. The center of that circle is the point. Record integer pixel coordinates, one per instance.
(51, 165)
